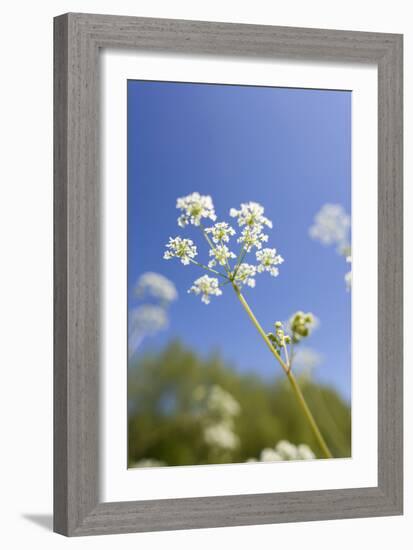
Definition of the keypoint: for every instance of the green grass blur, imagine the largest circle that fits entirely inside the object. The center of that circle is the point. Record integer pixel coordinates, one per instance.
(165, 425)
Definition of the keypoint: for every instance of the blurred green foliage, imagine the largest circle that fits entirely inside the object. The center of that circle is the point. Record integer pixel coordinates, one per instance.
(163, 423)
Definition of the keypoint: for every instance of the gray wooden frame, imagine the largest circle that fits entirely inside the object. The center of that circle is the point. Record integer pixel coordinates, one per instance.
(78, 39)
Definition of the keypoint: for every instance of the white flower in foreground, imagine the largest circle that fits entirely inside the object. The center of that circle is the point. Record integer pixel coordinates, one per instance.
(268, 259)
(250, 214)
(304, 452)
(156, 286)
(221, 435)
(284, 450)
(269, 455)
(245, 275)
(206, 286)
(220, 254)
(194, 207)
(331, 225)
(184, 249)
(220, 232)
(252, 236)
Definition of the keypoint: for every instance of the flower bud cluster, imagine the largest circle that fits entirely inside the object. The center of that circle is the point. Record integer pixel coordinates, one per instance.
(301, 325)
(279, 338)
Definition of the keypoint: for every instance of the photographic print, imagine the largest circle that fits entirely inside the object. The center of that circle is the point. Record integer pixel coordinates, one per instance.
(239, 274)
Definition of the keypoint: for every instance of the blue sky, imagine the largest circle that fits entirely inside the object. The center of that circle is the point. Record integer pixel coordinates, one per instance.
(289, 150)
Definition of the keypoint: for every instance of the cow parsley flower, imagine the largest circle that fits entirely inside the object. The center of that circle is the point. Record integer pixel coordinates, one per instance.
(252, 221)
(220, 254)
(331, 225)
(270, 455)
(148, 318)
(222, 402)
(284, 450)
(184, 249)
(194, 207)
(221, 435)
(250, 214)
(268, 259)
(252, 236)
(245, 275)
(206, 286)
(157, 286)
(220, 232)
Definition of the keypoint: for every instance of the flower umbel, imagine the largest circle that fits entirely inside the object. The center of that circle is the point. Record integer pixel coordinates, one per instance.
(331, 225)
(194, 207)
(206, 286)
(220, 232)
(250, 218)
(184, 249)
(250, 214)
(268, 259)
(245, 275)
(252, 236)
(221, 254)
(157, 286)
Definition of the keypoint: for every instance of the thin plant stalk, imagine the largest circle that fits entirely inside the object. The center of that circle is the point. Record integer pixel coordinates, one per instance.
(291, 378)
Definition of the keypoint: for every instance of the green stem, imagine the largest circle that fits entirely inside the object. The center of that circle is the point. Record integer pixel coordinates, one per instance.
(209, 269)
(240, 259)
(212, 247)
(293, 382)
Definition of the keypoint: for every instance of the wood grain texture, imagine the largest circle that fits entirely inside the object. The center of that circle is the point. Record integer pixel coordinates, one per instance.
(78, 39)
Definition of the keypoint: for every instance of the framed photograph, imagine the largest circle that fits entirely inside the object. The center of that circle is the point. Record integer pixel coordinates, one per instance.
(228, 274)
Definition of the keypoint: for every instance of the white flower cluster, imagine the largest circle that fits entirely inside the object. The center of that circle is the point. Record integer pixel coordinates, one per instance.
(245, 275)
(251, 221)
(184, 249)
(221, 435)
(155, 285)
(331, 225)
(206, 286)
(155, 293)
(268, 259)
(219, 408)
(220, 232)
(252, 236)
(194, 207)
(148, 318)
(220, 254)
(284, 450)
(250, 214)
